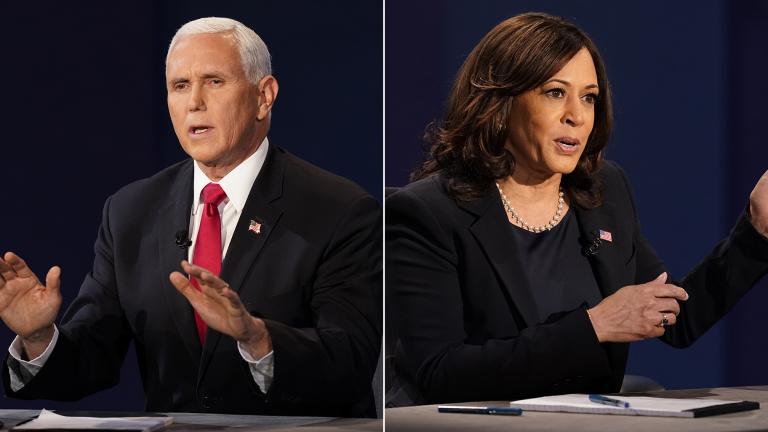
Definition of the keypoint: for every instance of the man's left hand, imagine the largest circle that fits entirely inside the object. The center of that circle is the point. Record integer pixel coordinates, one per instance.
(758, 205)
(222, 310)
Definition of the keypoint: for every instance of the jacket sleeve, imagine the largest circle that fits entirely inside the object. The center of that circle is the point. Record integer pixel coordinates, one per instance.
(333, 362)
(714, 285)
(93, 339)
(426, 302)
(719, 281)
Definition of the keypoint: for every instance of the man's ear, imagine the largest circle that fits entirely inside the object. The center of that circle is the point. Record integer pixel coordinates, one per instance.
(267, 88)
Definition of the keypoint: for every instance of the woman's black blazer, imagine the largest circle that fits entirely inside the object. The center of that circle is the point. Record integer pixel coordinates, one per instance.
(464, 319)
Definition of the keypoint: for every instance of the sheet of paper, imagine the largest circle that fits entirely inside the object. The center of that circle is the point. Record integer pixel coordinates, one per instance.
(50, 420)
(639, 405)
(637, 402)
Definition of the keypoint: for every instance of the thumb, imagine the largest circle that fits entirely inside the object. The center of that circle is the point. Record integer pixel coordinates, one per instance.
(661, 278)
(53, 278)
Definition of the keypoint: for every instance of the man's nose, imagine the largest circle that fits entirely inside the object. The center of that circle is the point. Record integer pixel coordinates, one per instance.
(196, 100)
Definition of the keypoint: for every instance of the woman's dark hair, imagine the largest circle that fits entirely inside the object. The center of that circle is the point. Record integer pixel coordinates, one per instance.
(519, 54)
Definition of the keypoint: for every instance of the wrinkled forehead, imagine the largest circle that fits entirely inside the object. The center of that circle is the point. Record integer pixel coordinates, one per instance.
(203, 51)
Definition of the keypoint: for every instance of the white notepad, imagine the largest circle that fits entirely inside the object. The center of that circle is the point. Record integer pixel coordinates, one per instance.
(49, 420)
(639, 406)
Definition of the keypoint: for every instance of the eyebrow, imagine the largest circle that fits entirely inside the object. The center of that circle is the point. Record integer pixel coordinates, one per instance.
(589, 86)
(214, 74)
(207, 75)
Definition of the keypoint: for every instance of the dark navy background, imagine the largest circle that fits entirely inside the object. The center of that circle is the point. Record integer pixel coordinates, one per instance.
(688, 80)
(84, 113)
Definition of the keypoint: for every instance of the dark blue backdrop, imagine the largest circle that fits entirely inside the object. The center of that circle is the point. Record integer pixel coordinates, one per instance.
(84, 113)
(687, 80)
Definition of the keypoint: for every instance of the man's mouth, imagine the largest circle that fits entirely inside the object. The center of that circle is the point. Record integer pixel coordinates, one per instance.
(198, 130)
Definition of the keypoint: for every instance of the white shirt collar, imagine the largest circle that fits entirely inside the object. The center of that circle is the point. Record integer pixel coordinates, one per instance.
(237, 183)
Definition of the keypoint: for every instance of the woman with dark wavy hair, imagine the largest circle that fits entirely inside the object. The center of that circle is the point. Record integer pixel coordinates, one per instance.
(515, 263)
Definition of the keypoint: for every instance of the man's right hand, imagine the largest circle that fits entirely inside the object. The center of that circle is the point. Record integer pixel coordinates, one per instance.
(26, 306)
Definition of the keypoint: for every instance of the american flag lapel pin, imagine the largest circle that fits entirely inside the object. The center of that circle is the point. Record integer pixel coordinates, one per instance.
(254, 227)
(606, 235)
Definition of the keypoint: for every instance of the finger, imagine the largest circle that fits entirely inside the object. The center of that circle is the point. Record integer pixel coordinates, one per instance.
(671, 319)
(19, 265)
(661, 322)
(195, 272)
(213, 281)
(182, 284)
(662, 278)
(669, 290)
(53, 279)
(661, 319)
(226, 297)
(192, 269)
(199, 277)
(203, 275)
(232, 298)
(209, 291)
(668, 305)
(6, 271)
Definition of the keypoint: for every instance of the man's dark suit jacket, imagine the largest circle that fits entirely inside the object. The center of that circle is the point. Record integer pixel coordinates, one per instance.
(466, 321)
(313, 274)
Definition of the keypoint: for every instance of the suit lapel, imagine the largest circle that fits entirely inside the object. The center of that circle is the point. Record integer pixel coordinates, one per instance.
(246, 244)
(174, 217)
(608, 269)
(493, 233)
(499, 246)
(606, 264)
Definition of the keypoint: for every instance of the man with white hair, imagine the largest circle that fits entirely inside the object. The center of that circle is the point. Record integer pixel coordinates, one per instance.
(278, 312)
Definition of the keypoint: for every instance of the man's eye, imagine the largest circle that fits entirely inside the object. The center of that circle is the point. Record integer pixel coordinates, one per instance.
(180, 86)
(216, 82)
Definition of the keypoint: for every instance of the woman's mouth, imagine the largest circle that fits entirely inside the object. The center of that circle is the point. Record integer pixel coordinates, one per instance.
(568, 145)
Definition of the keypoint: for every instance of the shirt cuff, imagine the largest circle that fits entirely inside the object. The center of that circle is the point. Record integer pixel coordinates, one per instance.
(22, 371)
(262, 370)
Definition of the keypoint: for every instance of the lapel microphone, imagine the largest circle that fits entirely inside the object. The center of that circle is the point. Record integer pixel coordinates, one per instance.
(591, 247)
(182, 239)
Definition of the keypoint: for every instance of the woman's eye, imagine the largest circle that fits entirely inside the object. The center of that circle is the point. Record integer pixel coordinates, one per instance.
(590, 98)
(556, 93)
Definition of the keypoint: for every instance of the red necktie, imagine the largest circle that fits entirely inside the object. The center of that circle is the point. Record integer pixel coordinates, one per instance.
(208, 244)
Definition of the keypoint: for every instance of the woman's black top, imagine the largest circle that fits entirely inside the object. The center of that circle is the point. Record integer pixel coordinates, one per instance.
(559, 275)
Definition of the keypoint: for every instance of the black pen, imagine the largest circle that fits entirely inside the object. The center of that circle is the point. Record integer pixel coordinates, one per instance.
(604, 400)
(479, 410)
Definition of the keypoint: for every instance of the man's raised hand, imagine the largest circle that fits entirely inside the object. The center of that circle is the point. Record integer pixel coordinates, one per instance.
(28, 307)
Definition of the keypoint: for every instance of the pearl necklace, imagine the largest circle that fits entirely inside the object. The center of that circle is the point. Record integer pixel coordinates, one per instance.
(523, 224)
